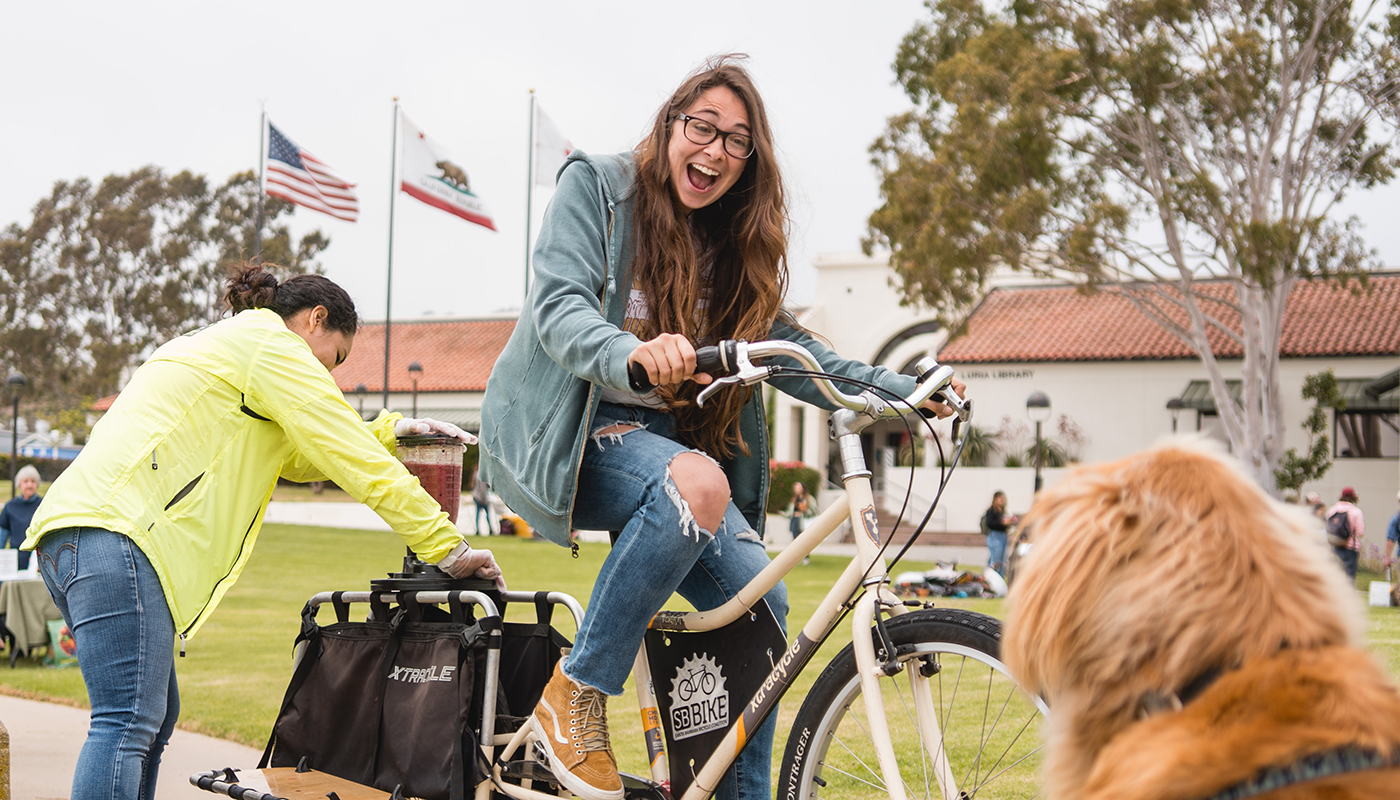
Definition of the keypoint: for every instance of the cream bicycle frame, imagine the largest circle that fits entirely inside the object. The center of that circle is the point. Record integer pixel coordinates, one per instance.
(867, 569)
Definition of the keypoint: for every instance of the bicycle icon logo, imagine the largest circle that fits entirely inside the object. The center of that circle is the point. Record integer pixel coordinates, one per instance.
(699, 700)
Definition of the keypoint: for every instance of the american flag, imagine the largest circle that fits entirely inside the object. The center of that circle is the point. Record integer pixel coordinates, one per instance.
(296, 175)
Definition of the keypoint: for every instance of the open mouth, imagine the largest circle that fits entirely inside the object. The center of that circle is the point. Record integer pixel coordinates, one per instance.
(701, 178)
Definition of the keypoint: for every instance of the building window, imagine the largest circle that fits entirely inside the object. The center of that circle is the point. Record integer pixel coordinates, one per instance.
(1366, 434)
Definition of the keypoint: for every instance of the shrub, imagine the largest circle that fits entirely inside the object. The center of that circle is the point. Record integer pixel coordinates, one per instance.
(1370, 559)
(49, 468)
(782, 475)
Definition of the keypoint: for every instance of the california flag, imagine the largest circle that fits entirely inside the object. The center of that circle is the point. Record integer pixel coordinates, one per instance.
(429, 174)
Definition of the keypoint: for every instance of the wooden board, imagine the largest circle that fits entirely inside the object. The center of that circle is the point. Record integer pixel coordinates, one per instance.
(287, 782)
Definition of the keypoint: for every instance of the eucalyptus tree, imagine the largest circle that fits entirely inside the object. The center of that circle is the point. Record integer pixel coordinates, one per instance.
(103, 272)
(1190, 154)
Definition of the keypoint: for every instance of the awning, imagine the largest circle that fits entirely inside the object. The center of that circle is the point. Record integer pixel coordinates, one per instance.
(1360, 394)
(1363, 394)
(1197, 395)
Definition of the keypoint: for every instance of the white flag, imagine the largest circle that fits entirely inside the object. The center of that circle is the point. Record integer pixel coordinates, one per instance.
(551, 148)
(429, 174)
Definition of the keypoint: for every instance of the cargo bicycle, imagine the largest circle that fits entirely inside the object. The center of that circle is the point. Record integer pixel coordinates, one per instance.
(918, 704)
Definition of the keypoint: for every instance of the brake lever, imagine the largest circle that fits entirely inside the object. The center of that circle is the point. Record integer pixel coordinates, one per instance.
(964, 414)
(744, 372)
(714, 387)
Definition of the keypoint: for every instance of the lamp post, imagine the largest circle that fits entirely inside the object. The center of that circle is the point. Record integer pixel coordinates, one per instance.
(16, 383)
(360, 394)
(415, 371)
(1175, 405)
(1038, 409)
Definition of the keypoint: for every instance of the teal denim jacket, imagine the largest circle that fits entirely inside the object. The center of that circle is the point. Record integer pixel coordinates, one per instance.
(569, 339)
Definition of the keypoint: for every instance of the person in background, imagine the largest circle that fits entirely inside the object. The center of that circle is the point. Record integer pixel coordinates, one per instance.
(481, 498)
(997, 521)
(1392, 536)
(140, 538)
(14, 519)
(1356, 526)
(799, 510)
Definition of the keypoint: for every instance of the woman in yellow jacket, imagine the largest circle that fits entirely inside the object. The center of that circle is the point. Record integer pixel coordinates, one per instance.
(140, 538)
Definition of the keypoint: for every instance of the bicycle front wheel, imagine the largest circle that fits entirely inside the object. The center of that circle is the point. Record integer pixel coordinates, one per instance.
(986, 741)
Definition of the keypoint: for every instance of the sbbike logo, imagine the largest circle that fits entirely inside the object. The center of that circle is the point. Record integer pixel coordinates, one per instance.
(699, 699)
(412, 675)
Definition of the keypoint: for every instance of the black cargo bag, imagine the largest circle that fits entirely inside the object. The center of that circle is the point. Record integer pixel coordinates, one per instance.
(388, 704)
(529, 652)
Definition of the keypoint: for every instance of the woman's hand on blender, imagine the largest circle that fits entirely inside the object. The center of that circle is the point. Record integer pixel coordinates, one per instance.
(467, 562)
(420, 427)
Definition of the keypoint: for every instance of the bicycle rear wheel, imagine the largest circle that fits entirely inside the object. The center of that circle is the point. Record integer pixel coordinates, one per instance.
(988, 728)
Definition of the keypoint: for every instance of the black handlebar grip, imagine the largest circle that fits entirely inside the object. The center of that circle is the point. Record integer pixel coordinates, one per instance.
(708, 359)
(637, 378)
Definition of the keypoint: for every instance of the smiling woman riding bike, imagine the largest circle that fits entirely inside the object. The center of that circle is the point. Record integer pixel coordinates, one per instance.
(642, 255)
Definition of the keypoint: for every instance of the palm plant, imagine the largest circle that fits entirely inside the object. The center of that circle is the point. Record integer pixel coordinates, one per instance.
(981, 443)
(1052, 454)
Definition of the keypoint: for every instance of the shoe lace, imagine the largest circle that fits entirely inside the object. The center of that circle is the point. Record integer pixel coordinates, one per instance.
(593, 724)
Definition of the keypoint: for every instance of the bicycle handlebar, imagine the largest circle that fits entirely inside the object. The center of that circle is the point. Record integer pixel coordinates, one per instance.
(731, 362)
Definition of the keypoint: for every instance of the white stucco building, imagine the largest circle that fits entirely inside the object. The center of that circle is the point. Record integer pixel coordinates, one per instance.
(1110, 372)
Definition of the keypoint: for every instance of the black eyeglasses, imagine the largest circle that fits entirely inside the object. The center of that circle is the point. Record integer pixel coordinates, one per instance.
(739, 145)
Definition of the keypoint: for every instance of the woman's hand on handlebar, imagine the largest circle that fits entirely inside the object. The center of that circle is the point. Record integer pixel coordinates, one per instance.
(940, 410)
(668, 359)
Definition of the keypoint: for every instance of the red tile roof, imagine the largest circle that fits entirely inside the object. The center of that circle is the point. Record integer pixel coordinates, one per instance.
(456, 355)
(1058, 323)
(104, 403)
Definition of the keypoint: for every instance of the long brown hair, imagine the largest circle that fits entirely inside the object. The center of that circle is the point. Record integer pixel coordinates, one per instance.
(743, 234)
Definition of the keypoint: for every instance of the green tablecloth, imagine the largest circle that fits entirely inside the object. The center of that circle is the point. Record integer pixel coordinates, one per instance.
(28, 608)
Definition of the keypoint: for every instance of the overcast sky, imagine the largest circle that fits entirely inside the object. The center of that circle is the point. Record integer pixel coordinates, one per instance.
(94, 88)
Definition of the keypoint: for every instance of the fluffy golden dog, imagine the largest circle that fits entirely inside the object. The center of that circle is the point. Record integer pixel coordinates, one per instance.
(1192, 636)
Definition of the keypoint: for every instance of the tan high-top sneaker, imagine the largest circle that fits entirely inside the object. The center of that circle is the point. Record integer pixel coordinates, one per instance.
(571, 722)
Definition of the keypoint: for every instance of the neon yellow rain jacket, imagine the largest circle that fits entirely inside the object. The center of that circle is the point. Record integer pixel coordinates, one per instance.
(185, 461)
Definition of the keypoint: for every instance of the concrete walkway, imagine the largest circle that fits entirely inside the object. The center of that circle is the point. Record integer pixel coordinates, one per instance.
(45, 740)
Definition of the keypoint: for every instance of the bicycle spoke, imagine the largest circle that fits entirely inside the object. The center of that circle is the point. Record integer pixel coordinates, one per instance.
(860, 722)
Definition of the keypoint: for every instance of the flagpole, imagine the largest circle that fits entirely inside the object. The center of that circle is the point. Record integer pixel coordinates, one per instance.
(389, 277)
(262, 161)
(529, 193)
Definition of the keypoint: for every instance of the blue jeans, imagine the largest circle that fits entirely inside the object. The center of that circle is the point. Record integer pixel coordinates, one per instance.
(625, 485)
(996, 545)
(111, 599)
(482, 511)
(1349, 559)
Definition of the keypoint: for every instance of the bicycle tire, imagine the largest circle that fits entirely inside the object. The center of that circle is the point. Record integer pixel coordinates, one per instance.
(991, 729)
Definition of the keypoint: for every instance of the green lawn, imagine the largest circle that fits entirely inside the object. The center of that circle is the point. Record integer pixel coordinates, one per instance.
(236, 669)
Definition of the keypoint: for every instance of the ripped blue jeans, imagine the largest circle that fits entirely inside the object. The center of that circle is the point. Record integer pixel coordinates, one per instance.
(625, 485)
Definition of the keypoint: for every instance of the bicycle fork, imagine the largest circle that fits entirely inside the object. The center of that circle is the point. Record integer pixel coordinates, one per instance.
(845, 429)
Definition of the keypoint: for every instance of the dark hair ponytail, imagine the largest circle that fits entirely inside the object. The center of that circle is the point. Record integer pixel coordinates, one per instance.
(252, 286)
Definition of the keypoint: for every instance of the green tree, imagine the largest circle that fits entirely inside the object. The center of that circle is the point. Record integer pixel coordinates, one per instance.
(1143, 146)
(1294, 470)
(104, 272)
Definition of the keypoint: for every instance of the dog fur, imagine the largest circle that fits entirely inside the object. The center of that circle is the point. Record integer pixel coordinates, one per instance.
(1148, 573)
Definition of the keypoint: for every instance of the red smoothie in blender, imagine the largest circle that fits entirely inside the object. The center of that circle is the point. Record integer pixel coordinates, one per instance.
(436, 461)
